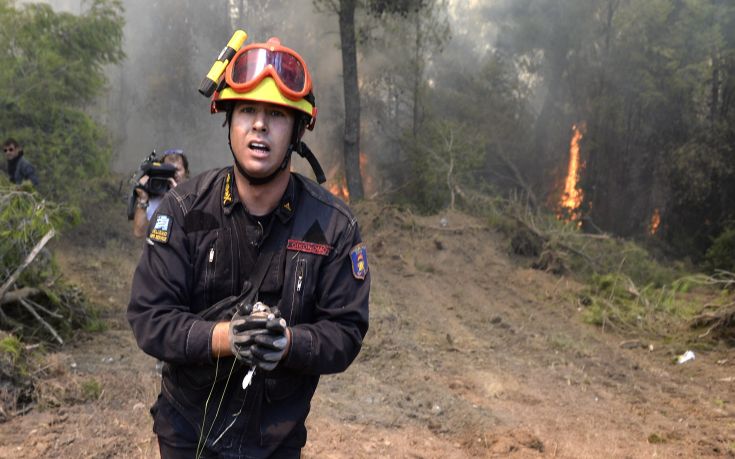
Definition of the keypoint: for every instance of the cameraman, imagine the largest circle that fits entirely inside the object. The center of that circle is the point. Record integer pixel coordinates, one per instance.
(146, 205)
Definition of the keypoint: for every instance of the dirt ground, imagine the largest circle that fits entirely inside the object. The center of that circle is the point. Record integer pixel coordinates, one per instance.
(470, 354)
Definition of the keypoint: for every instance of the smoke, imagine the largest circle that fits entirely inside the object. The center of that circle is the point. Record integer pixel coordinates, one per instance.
(152, 100)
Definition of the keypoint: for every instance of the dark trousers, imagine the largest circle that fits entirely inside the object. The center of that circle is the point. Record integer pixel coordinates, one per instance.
(189, 452)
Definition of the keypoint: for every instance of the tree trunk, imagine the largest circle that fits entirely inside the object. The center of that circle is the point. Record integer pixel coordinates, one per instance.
(417, 74)
(352, 98)
(715, 89)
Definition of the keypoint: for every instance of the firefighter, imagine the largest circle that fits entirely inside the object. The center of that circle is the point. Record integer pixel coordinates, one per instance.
(236, 384)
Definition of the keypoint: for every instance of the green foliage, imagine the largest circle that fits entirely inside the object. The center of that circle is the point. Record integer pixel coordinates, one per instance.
(585, 255)
(721, 254)
(51, 69)
(11, 346)
(91, 389)
(444, 159)
(615, 301)
(25, 218)
(656, 439)
(16, 363)
(615, 255)
(95, 324)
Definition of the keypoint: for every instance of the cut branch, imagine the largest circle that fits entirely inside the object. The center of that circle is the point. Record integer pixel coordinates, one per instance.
(16, 295)
(31, 256)
(33, 312)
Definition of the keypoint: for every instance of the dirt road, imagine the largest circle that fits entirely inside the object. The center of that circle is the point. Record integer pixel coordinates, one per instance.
(469, 354)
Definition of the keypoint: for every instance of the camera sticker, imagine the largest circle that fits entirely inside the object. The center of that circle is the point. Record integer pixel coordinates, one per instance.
(160, 231)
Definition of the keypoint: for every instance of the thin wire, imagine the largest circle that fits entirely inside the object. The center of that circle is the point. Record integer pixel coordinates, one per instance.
(201, 444)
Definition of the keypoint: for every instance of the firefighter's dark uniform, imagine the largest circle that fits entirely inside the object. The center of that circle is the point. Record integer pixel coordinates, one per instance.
(202, 247)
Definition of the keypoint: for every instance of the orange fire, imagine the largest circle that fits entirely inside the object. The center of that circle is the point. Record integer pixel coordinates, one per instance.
(339, 188)
(655, 222)
(337, 183)
(572, 197)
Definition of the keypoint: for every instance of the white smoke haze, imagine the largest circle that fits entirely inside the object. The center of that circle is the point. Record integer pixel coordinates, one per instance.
(152, 100)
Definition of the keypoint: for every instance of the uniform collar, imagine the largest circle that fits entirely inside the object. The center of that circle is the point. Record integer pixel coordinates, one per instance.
(231, 199)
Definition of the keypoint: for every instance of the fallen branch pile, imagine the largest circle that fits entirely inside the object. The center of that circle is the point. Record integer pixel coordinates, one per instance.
(34, 304)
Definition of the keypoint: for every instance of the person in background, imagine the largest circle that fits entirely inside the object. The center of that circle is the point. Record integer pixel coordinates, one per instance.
(145, 205)
(19, 169)
(254, 280)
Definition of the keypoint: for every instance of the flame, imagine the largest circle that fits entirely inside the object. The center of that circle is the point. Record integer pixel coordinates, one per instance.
(572, 197)
(655, 222)
(339, 188)
(337, 183)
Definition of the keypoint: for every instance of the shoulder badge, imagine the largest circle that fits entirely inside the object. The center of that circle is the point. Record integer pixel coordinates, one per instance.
(161, 230)
(358, 255)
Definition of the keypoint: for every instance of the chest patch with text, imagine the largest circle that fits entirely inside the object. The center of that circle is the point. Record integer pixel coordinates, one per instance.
(308, 247)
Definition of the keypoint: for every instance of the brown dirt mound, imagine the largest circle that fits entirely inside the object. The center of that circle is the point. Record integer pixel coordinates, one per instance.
(470, 354)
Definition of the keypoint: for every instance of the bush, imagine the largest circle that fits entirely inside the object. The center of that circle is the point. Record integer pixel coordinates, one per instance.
(444, 156)
(51, 69)
(16, 384)
(721, 254)
(25, 218)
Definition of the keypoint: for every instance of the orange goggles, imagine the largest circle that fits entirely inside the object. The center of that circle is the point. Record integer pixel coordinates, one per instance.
(254, 62)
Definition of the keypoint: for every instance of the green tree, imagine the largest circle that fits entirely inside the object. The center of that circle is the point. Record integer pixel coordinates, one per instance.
(51, 70)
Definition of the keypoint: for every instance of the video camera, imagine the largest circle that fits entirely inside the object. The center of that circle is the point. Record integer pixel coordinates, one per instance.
(158, 180)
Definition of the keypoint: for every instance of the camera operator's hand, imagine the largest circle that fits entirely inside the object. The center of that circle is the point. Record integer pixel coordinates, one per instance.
(270, 348)
(172, 182)
(140, 192)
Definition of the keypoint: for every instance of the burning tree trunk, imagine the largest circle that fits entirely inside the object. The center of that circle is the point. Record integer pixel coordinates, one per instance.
(572, 197)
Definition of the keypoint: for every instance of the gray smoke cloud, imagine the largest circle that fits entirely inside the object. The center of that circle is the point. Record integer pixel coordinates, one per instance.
(152, 100)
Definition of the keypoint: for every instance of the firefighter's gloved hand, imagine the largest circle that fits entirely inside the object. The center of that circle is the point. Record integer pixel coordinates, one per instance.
(243, 328)
(269, 348)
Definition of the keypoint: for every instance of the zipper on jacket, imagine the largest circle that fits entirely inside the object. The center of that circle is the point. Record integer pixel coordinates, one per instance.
(209, 274)
(300, 276)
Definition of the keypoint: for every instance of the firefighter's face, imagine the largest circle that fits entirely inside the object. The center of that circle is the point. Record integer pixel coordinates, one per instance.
(260, 134)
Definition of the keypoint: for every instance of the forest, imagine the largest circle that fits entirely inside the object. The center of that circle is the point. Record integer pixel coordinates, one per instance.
(435, 97)
(597, 137)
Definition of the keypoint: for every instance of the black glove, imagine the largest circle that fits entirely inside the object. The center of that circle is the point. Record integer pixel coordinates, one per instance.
(244, 326)
(269, 348)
